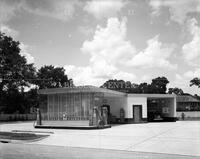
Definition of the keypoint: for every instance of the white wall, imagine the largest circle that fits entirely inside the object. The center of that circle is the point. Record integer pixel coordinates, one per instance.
(137, 101)
(172, 107)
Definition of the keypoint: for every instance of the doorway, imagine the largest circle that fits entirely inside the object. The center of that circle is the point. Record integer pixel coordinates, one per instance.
(108, 110)
(137, 113)
(155, 109)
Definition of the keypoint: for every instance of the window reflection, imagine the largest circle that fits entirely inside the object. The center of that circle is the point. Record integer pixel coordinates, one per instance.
(69, 106)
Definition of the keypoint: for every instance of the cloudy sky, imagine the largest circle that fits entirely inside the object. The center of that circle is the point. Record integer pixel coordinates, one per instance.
(97, 40)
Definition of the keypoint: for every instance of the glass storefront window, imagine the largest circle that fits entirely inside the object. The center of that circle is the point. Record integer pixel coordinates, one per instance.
(72, 106)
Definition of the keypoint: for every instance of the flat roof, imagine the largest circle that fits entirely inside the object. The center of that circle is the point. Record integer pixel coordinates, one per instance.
(78, 89)
(94, 89)
(153, 95)
(187, 98)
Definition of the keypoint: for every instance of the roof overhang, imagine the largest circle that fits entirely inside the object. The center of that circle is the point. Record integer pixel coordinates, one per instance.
(79, 89)
(153, 95)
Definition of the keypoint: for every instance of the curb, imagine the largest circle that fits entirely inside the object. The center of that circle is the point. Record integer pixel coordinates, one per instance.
(72, 127)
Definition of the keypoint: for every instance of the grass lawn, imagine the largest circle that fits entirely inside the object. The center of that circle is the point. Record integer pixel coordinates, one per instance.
(20, 136)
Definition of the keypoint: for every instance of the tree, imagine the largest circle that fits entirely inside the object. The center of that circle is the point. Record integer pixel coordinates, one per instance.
(135, 88)
(31, 99)
(144, 88)
(195, 82)
(197, 96)
(177, 91)
(159, 85)
(52, 77)
(14, 70)
(15, 74)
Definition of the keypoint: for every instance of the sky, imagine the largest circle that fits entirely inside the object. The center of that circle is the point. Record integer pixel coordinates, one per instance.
(97, 40)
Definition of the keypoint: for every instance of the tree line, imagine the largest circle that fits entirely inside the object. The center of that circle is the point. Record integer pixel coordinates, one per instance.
(157, 86)
(16, 75)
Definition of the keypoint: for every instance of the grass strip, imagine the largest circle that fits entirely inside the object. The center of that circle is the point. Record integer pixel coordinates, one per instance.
(20, 136)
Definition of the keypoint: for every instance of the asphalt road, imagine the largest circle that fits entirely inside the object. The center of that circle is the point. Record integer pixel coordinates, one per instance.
(33, 151)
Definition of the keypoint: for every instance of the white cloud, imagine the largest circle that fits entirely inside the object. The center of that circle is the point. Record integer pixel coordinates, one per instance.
(180, 81)
(124, 75)
(104, 8)
(7, 10)
(155, 4)
(83, 75)
(86, 30)
(179, 9)
(155, 55)
(107, 50)
(88, 75)
(61, 9)
(191, 50)
(146, 78)
(24, 52)
(183, 81)
(192, 74)
(109, 44)
(8, 31)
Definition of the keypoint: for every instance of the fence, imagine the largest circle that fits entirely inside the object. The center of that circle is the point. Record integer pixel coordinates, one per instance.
(17, 117)
(188, 115)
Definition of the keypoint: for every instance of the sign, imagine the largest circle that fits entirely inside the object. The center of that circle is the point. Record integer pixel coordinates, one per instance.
(119, 85)
(165, 110)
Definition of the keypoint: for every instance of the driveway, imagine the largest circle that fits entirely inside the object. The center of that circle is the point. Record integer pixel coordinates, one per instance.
(182, 137)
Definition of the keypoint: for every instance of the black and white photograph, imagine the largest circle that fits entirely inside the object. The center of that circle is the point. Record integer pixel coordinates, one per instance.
(100, 79)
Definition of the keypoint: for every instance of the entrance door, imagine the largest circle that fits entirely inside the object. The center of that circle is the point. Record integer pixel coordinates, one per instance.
(108, 109)
(137, 113)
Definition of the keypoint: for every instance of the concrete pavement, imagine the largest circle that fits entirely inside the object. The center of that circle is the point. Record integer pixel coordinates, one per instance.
(182, 137)
(24, 151)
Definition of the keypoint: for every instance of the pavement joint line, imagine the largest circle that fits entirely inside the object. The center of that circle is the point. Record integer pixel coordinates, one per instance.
(154, 136)
(104, 149)
(98, 135)
(177, 138)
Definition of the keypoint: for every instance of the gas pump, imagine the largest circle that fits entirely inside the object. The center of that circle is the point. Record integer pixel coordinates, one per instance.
(95, 117)
(105, 115)
(38, 117)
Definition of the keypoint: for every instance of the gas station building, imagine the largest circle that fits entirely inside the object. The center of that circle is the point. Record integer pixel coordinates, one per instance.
(94, 106)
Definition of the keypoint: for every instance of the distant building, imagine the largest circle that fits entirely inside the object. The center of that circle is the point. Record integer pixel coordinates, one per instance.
(189, 105)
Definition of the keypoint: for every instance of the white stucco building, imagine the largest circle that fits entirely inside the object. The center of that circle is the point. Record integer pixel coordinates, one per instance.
(62, 106)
